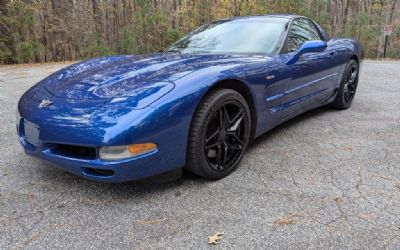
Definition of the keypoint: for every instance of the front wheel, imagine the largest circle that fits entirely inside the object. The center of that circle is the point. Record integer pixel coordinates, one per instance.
(219, 134)
(348, 87)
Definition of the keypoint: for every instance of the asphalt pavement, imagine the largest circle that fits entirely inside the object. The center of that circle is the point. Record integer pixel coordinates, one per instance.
(327, 179)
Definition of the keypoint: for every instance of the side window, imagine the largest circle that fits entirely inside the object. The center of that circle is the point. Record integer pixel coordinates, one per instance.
(302, 30)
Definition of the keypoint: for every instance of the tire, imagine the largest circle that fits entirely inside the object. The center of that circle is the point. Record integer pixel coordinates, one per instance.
(219, 134)
(348, 87)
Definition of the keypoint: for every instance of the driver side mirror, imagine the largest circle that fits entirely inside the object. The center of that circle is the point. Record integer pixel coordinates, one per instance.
(308, 47)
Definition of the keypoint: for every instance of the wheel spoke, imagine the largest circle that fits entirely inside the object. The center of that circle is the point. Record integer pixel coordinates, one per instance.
(221, 118)
(346, 96)
(218, 156)
(221, 156)
(236, 140)
(225, 155)
(212, 145)
(234, 146)
(225, 117)
(352, 88)
(235, 122)
(212, 136)
(353, 76)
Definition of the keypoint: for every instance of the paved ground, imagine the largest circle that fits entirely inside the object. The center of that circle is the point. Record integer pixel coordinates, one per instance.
(327, 179)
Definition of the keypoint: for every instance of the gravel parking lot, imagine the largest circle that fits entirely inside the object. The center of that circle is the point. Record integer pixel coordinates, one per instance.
(328, 179)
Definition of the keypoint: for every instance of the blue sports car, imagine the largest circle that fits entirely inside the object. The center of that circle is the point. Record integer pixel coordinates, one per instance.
(197, 105)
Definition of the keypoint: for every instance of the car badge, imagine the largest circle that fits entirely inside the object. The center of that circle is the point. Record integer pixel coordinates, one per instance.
(45, 103)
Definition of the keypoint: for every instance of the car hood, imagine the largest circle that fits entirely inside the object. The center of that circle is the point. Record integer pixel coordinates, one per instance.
(146, 77)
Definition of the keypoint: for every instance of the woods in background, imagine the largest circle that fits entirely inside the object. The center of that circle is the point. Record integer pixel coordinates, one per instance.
(58, 30)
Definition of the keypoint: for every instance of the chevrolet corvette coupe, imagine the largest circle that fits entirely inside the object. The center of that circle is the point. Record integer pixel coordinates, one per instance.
(196, 105)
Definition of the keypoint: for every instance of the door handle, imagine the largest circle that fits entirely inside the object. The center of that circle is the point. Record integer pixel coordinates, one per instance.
(333, 53)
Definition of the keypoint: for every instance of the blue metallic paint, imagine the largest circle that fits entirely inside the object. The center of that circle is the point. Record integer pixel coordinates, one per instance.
(121, 100)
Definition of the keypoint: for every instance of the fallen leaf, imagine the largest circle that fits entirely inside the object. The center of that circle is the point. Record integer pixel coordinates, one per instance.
(31, 198)
(289, 218)
(214, 239)
(366, 216)
(347, 148)
(338, 200)
(284, 220)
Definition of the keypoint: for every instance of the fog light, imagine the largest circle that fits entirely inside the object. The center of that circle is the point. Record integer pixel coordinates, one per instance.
(124, 152)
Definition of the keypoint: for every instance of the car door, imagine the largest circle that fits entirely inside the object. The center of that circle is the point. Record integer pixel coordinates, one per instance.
(311, 79)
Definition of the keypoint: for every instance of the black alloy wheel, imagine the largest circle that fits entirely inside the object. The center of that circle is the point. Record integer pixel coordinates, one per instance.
(219, 134)
(225, 138)
(348, 87)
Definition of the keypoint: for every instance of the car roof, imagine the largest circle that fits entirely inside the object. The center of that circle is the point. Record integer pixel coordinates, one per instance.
(287, 16)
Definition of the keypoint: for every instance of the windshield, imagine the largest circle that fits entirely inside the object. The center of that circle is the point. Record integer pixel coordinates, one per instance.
(255, 35)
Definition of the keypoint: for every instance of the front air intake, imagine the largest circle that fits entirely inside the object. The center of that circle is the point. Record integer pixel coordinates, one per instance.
(77, 152)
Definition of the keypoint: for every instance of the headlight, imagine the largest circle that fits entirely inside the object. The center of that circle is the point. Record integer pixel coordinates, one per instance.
(124, 152)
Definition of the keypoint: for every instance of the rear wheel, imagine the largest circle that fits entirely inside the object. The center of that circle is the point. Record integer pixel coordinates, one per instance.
(348, 87)
(219, 134)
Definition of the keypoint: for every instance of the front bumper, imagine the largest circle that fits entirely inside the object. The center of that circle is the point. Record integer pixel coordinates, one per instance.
(92, 167)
